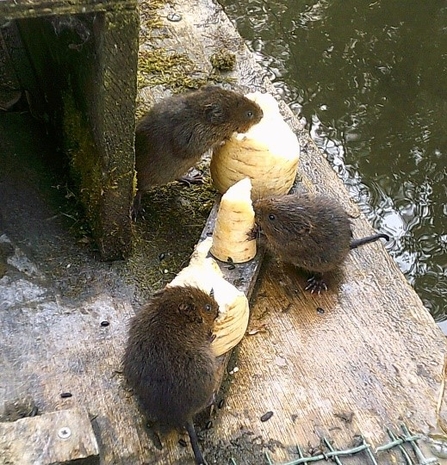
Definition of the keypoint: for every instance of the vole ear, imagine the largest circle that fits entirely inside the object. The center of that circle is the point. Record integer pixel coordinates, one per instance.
(214, 113)
(189, 311)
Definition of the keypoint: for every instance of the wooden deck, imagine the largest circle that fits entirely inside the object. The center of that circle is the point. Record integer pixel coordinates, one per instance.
(364, 357)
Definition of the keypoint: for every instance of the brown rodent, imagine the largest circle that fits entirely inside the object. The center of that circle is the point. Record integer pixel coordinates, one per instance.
(176, 132)
(168, 359)
(312, 233)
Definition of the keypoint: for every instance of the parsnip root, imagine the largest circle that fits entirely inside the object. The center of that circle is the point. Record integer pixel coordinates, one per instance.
(203, 272)
(235, 219)
(268, 154)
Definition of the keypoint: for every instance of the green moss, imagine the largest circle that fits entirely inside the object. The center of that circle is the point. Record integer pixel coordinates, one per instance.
(223, 60)
(165, 234)
(171, 69)
(174, 215)
(149, 18)
(85, 167)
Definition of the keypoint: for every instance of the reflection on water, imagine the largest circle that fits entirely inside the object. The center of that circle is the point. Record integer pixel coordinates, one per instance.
(370, 78)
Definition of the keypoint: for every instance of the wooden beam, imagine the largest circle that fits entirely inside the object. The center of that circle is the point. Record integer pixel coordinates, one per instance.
(64, 438)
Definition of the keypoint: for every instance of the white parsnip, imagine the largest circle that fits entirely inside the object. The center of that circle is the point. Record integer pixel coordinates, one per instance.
(203, 272)
(268, 154)
(235, 220)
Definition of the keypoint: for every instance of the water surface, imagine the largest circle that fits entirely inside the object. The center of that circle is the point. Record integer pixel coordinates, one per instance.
(370, 79)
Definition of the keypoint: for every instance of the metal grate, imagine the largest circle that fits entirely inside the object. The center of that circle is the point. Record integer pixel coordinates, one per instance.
(397, 442)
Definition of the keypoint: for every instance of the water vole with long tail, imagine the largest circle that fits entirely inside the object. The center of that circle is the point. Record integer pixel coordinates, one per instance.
(168, 360)
(178, 130)
(312, 233)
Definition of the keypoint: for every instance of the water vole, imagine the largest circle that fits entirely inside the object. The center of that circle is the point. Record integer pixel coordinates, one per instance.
(168, 360)
(312, 233)
(176, 132)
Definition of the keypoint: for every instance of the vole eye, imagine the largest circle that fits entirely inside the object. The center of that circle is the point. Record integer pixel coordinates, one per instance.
(250, 114)
(208, 307)
(272, 217)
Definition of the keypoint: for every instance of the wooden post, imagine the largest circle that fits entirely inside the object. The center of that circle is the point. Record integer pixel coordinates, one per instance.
(65, 437)
(81, 75)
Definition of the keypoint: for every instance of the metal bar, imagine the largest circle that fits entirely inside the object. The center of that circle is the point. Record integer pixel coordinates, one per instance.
(401, 448)
(420, 456)
(329, 446)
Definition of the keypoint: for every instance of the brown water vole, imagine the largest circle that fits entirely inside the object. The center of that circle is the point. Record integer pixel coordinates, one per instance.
(176, 132)
(168, 360)
(312, 233)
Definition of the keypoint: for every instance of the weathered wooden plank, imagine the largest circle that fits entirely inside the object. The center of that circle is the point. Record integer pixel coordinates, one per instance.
(374, 351)
(19, 9)
(364, 354)
(65, 437)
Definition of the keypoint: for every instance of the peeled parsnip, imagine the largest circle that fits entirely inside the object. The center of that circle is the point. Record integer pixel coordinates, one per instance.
(268, 153)
(204, 273)
(235, 219)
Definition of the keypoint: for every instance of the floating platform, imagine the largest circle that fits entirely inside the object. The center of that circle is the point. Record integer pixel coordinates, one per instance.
(356, 373)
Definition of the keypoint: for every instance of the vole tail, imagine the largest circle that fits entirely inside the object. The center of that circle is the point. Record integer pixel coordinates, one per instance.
(195, 443)
(366, 240)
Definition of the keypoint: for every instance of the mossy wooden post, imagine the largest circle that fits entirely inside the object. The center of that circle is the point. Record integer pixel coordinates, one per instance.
(83, 56)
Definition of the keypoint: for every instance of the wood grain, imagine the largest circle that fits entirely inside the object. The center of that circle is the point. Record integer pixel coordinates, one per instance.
(364, 356)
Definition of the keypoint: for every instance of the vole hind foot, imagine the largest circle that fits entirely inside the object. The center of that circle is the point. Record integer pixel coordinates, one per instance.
(316, 284)
(136, 209)
(193, 177)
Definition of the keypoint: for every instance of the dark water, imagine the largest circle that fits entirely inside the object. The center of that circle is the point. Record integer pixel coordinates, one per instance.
(370, 79)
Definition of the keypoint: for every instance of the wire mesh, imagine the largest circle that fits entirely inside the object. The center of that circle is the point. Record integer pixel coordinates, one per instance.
(411, 455)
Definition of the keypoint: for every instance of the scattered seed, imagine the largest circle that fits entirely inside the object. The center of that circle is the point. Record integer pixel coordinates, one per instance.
(267, 416)
(174, 17)
(65, 395)
(345, 416)
(162, 256)
(221, 403)
(182, 442)
(286, 310)
(34, 411)
(105, 323)
(262, 328)
(320, 310)
(209, 424)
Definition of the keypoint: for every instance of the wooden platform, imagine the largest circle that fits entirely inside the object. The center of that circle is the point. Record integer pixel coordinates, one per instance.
(364, 357)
